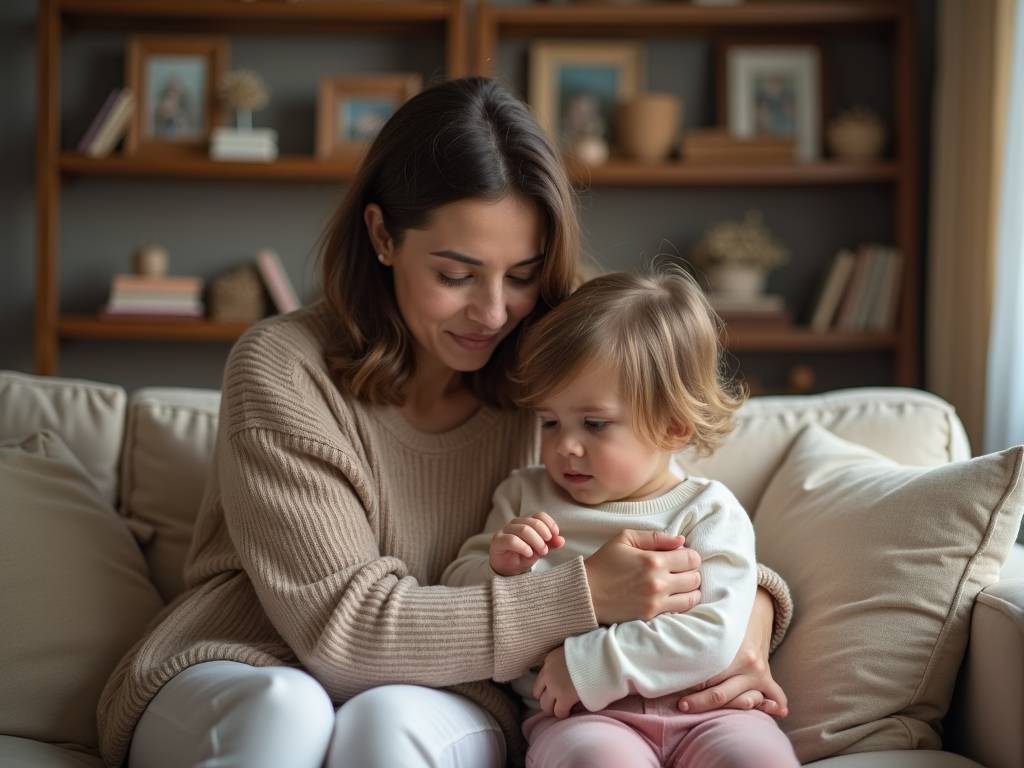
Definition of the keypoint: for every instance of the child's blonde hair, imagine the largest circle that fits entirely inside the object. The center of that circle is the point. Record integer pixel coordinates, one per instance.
(657, 333)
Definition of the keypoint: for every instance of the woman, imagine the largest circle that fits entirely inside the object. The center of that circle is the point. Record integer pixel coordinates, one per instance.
(359, 443)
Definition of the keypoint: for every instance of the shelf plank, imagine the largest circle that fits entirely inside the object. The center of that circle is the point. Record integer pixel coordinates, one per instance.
(615, 173)
(118, 11)
(749, 338)
(90, 327)
(677, 19)
(621, 173)
(285, 168)
(737, 339)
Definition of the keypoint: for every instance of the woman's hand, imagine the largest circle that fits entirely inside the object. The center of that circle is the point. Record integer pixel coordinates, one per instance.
(640, 575)
(747, 683)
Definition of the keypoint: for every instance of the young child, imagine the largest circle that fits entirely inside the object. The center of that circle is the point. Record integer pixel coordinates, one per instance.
(623, 374)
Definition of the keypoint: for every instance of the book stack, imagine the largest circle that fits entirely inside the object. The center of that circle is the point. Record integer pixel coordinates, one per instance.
(717, 146)
(248, 145)
(141, 297)
(109, 125)
(760, 309)
(861, 291)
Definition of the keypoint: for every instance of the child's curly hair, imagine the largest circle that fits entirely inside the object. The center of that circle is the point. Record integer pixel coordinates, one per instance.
(656, 333)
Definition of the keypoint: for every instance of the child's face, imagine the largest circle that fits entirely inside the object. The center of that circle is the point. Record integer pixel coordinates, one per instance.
(591, 449)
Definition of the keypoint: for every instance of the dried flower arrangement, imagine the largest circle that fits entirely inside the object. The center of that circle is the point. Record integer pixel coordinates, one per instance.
(747, 243)
(243, 91)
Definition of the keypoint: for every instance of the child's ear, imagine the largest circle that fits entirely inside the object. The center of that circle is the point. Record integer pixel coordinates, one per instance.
(678, 436)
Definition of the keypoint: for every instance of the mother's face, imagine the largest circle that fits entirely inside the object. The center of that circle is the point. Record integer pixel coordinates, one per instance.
(463, 283)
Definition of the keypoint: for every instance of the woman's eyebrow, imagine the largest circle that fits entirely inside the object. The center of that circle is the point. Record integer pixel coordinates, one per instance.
(456, 256)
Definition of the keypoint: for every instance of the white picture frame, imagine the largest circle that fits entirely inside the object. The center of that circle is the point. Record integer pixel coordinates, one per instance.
(775, 90)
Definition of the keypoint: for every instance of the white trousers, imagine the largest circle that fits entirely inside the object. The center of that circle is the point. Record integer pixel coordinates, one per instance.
(223, 714)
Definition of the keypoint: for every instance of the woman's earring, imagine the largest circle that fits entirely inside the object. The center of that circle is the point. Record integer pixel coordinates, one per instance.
(380, 257)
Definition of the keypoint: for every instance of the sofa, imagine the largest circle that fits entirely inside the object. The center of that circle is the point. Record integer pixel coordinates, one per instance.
(897, 545)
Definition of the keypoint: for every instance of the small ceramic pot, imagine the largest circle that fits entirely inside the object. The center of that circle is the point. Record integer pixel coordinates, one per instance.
(855, 139)
(150, 260)
(737, 279)
(590, 150)
(648, 126)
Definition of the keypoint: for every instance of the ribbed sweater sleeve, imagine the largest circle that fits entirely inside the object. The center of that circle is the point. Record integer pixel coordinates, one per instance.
(305, 506)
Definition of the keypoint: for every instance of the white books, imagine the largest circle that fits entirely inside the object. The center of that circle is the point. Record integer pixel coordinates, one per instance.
(253, 145)
(832, 292)
(884, 316)
(878, 259)
(149, 308)
(276, 279)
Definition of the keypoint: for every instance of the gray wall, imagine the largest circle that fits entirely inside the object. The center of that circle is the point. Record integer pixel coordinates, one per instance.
(211, 227)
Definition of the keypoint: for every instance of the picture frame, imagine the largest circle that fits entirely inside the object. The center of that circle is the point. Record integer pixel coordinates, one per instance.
(775, 91)
(575, 85)
(352, 108)
(174, 79)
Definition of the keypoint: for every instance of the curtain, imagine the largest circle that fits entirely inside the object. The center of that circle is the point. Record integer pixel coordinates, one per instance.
(973, 48)
(1004, 404)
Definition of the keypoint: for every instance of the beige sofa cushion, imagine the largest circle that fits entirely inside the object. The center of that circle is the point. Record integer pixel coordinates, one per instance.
(907, 425)
(74, 592)
(89, 418)
(168, 446)
(884, 563)
(25, 753)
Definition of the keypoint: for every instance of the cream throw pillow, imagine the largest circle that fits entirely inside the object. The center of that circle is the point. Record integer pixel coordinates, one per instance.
(884, 563)
(74, 593)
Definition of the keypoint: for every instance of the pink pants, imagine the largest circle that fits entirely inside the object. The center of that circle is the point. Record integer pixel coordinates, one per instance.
(636, 733)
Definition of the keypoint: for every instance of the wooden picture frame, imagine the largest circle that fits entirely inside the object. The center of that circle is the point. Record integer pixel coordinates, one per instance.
(572, 82)
(775, 90)
(351, 109)
(174, 80)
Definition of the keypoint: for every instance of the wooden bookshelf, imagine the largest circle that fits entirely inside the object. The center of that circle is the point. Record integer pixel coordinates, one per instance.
(803, 339)
(620, 173)
(90, 327)
(891, 22)
(444, 20)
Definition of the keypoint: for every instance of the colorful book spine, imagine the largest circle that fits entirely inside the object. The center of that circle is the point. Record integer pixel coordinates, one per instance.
(832, 292)
(94, 126)
(114, 125)
(276, 279)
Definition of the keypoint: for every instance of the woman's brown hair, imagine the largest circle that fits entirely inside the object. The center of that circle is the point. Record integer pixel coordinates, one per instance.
(457, 140)
(658, 336)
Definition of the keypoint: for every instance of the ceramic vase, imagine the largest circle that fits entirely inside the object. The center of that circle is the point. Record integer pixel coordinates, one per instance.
(737, 280)
(648, 126)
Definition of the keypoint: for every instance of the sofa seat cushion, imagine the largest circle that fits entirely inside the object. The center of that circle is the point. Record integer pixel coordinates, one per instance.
(88, 417)
(74, 593)
(26, 753)
(898, 758)
(884, 563)
(168, 447)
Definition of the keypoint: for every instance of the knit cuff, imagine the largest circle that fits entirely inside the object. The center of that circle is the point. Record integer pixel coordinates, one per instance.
(783, 602)
(534, 612)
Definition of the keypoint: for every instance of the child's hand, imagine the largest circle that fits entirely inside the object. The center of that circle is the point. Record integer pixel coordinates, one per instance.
(554, 688)
(521, 543)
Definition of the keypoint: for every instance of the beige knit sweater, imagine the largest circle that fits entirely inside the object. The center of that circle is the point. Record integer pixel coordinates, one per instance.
(324, 526)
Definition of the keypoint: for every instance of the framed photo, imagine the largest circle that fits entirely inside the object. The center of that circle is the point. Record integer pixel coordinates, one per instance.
(174, 80)
(575, 87)
(775, 90)
(351, 109)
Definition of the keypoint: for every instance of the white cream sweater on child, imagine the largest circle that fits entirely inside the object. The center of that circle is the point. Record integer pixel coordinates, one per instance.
(653, 658)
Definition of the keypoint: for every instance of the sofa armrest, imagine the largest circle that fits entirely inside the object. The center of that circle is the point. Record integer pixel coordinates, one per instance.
(990, 691)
